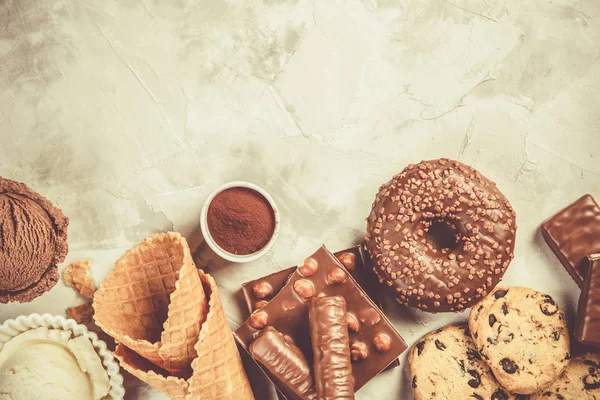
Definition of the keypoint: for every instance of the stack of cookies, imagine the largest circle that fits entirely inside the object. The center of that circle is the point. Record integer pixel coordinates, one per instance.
(516, 346)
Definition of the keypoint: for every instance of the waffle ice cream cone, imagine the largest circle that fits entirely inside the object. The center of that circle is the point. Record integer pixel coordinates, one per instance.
(218, 373)
(218, 370)
(174, 387)
(171, 335)
(153, 302)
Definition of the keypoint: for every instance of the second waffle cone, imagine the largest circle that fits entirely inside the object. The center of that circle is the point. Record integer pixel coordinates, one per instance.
(154, 303)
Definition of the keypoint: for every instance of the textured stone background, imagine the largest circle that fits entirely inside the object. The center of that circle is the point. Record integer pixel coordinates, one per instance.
(128, 113)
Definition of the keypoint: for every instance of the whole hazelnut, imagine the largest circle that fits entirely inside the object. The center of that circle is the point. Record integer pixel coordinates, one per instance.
(262, 290)
(304, 288)
(352, 322)
(348, 260)
(258, 319)
(260, 304)
(309, 267)
(369, 316)
(382, 342)
(359, 351)
(336, 276)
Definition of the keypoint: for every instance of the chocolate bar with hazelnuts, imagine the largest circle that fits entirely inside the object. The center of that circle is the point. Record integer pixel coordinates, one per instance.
(260, 291)
(374, 342)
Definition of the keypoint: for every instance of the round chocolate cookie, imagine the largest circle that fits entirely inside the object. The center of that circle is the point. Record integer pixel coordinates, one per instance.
(581, 381)
(523, 337)
(445, 364)
(441, 235)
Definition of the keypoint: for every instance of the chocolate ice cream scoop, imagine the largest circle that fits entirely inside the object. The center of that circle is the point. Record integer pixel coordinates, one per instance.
(33, 239)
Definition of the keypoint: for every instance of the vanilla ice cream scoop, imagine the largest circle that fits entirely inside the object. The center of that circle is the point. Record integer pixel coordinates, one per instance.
(48, 363)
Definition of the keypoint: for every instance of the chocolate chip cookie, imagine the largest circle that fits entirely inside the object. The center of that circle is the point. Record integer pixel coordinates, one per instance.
(581, 381)
(522, 335)
(481, 307)
(444, 364)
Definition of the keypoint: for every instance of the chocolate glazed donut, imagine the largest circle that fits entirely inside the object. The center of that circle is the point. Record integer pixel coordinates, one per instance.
(441, 235)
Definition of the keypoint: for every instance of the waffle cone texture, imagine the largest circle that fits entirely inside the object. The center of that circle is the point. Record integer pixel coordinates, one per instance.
(170, 323)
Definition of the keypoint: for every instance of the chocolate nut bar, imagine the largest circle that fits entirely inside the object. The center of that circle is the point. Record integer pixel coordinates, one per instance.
(331, 348)
(285, 361)
(323, 274)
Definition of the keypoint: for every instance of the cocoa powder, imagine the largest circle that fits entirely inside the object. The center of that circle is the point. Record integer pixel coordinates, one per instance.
(241, 220)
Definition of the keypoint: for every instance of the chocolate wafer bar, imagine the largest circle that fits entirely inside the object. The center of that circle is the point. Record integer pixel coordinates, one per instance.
(587, 325)
(285, 361)
(331, 348)
(573, 233)
(376, 341)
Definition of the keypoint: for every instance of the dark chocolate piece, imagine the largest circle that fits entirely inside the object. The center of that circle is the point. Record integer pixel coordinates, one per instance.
(284, 361)
(573, 233)
(587, 326)
(288, 313)
(331, 348)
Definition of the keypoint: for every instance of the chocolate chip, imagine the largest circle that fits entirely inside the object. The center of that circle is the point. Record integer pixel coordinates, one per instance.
(466, 331)
(473, 355)
(590, 363)
(499, 394)
(420, 347)
(440, 345)
(591, 381)
(504, 308)
(509, 366)
(475, 335)
(555, 336)
(568, 356)
(492, 320)
(462, 365)
(492, 341)
(509, 338)
(476, 396)
(414, 382)
(500, 293)
(548, 306)
(476, 381)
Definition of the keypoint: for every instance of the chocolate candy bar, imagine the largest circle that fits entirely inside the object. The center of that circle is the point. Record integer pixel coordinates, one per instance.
(373, 340)
(259, 291)
(331, 348)
(587, 326)
(285, 362)
(573, 233)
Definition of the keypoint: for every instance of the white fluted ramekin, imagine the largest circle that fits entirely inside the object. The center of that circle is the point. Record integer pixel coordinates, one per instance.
(13, 327)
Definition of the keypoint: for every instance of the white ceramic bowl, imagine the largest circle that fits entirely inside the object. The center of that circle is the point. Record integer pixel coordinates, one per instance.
(206, 232)
(13, 327)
